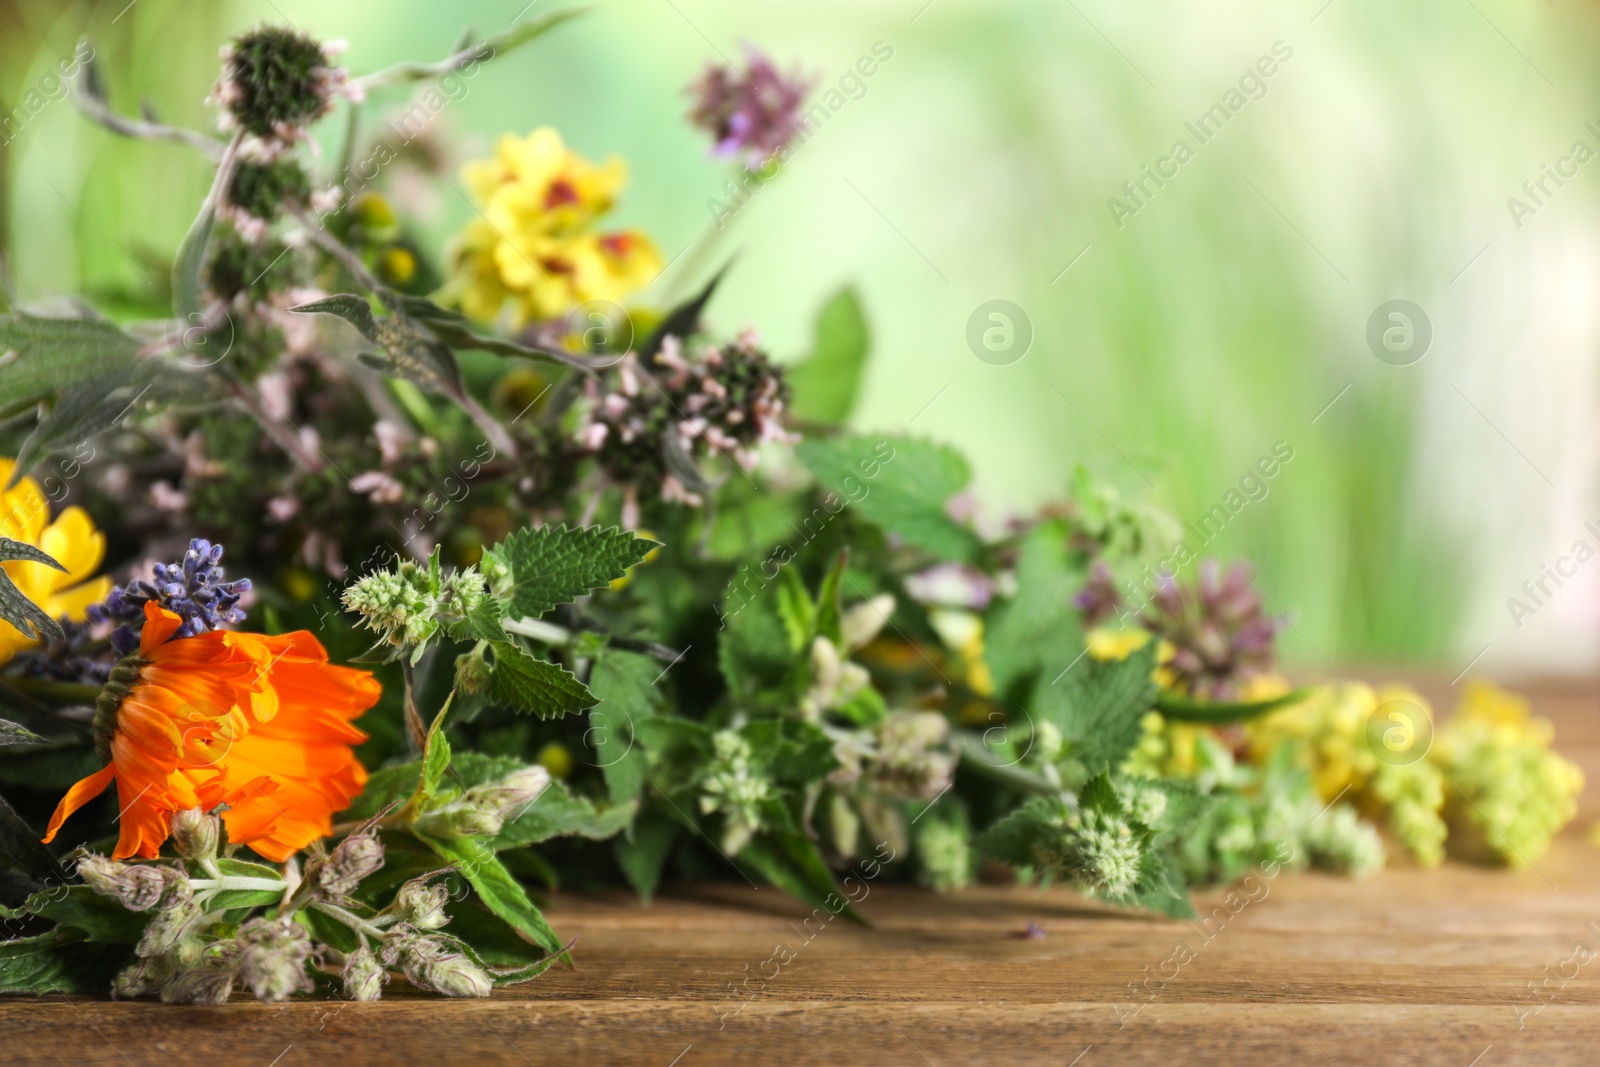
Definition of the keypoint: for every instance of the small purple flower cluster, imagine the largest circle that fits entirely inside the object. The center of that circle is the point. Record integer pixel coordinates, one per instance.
(192, 588)
(754, 113)
(1220, 634)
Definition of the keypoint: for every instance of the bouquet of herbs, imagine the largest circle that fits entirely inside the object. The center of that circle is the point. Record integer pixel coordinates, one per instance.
(540, 586)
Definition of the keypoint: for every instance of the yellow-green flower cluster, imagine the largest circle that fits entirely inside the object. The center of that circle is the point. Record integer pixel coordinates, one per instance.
(534, 251)
(1510, 794)
(1371, 747)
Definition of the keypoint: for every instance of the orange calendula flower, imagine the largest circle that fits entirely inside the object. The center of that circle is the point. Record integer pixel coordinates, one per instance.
(258, 725)
(70, 540)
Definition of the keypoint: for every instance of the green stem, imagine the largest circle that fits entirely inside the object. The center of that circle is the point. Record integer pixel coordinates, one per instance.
(64, 692)
(349, 918)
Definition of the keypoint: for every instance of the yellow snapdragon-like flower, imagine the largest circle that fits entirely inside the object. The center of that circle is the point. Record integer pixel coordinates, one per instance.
(534, 252)
(71, 540)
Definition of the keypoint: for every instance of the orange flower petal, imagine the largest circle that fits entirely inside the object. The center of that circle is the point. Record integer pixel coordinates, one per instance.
(82, 791)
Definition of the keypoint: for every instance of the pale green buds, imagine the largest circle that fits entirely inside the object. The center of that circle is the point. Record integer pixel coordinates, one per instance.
(1103, 854)
(421, 904)
(459, 820)
(909, 763)
(399, 604)
(732, 787)
(472, 672)
(209, 980)
(273, 953)
(195, 834)
(484, 809)
(864, 621)
(175, 921)
(137, 886)
(435, 962)
(363, 976)
(352, 860)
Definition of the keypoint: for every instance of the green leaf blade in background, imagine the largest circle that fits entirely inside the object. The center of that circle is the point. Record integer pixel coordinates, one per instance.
(908, 494)
(534, 686)
(827, 383)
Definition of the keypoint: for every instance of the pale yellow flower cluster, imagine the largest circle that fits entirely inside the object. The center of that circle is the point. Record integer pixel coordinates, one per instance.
(534, 252)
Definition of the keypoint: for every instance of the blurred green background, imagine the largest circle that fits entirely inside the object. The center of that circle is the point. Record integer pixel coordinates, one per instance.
(1169, 353)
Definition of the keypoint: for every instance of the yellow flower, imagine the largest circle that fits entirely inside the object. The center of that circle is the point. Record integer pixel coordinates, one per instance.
(71, 540)
(1106, 645)
(534, 247)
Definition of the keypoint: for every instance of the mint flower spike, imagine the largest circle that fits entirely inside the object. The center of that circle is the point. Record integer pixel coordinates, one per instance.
(192, 588)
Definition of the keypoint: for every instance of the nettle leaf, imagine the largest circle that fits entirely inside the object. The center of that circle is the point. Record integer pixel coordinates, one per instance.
(1013, 838)
(436, 754)
(534, 686)
(482, 623)
(97, 918)
(1038, 628)
(907, 493)
(15, 608)
(830, 601)
(58, 962)
(1159, 888)
(42, 356)
(681, 321)
(624, 682)
(556, 565)
(791, 862)
(557, 813)
(826, 384)
(642, 852)
(796, 609)
(755, 649)
(1099, 706)
(502, 894)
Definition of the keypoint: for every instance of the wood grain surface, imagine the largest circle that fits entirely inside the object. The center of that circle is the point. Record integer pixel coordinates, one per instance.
(1415, 967)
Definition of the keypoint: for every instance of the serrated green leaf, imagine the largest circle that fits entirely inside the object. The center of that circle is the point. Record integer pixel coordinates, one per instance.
(556, 565)
(43, 356)
(824, 386)
(97, 918)
(1013, 837)
(754, 649)
(907, 494)
(499, 891)
(796, 609)
(830, 602)
(15, 608)
(20, 843)
(1099, 706)
(436, 754)
(495, 942)
(534, 686)
(83, 410)
(58, 962)
(624, 683)
(643, 853)
(1037, 629)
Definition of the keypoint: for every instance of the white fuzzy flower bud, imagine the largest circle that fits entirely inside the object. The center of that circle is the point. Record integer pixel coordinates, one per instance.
(195, 834)
(363, 975)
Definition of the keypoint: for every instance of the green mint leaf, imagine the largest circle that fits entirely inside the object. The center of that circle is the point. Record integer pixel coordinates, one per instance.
(905, 493)
(500, 892)
(624, 682)
(534, 686)
(1099, 705)
(556, 565)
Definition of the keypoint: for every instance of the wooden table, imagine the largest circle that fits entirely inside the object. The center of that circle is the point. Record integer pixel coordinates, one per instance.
(1412, 966)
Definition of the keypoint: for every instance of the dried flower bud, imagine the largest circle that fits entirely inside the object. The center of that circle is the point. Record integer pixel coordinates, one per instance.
(137, 886)
(472, 672)
(363, 975)
(273, 953)
(209, 980)
(145, 976)
(195, 834)
(435, 962)
(175, 921)
(353, 859)
(511, 795)
(421, 904)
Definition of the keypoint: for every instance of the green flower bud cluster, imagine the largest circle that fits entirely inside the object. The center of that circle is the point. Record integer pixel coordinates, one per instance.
(732, 787)
(1510, 793)
(1101, 852)
(1340, 841)
(909, 763)
(399, 604)
(944, 854)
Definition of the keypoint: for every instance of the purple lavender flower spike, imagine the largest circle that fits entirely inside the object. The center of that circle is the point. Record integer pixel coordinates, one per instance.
(754, 113)
(192, 588)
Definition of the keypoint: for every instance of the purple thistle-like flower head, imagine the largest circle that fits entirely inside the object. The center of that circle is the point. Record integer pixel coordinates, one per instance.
(752, 113)
(1220, 635)
(192, 588)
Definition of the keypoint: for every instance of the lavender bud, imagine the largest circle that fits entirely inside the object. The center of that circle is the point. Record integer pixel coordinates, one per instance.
(170, 925)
